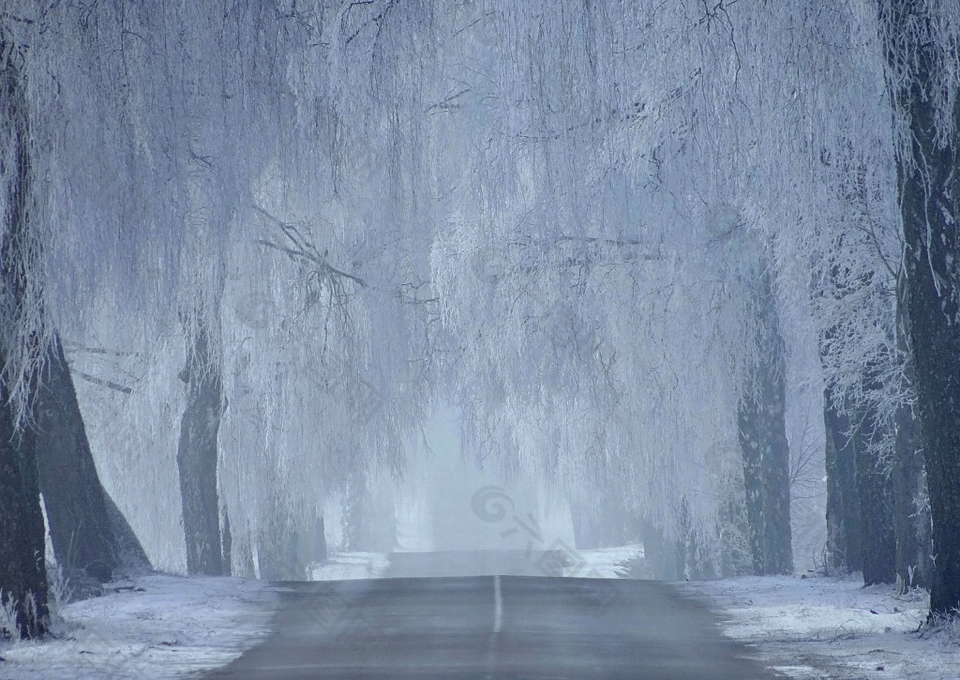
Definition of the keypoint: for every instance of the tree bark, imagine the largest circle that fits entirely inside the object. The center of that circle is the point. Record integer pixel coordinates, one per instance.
(23, 578)
(23, 574)
(319, 541)
(875, 491)
(911, 518)
(227, 543)
(911, 515)
(665, 560)
(843, 502)
(197, 458)
(763, 442)
(929, 188)
(82, 525)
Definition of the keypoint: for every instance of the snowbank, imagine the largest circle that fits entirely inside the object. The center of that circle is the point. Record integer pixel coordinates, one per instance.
(833, 628)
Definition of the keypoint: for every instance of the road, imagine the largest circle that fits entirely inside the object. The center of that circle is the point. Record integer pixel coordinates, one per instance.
(490, 626)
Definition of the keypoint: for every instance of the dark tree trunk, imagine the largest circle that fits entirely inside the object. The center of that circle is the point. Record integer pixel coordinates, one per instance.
(306, 545)
(911, 518)
(81, 528)
(875, 491)
(584, 529)
(285, 550)
(197, 458)
(23, 577)
(763, 442)
(320, 541)
(843, 502)
(227, 540)
(130, 556)
(665, 559)
(929, 187)
(736, 557)
(859, 491)
(23, 574)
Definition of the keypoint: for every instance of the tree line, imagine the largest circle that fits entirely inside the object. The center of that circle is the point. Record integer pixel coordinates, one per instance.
(594, 228)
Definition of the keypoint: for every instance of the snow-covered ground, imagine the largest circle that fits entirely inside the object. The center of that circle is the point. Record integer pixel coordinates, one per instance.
(350, 566)
(161, 626)
(155, 626)
(601, 562)
(833, 628)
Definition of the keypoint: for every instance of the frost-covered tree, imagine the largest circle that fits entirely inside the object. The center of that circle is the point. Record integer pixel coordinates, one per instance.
(22, 570)
(920, 44)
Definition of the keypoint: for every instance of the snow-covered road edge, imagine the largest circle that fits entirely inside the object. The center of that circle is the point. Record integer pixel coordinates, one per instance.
(832, 628)
(155, 626)
(163, 626)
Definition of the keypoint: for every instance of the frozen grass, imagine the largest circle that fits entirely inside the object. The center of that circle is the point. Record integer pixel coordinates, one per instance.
(834, 628)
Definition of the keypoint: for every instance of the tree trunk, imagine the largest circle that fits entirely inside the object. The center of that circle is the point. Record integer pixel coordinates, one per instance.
(130, 555)
(227, 541)
(736, 556)
(23, 578)
(843, 502)
(911, 516)
(319, 541)
(23, 574)
(875, 491)
(81, 528)
(584, 526)
(197, 458)
(763, 442)
(929, 187)
(665, 559)
(353, 511)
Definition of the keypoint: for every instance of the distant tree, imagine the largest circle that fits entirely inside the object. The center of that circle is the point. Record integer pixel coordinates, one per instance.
(761, 417)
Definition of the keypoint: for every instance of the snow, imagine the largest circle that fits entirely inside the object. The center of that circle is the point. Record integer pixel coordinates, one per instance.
(155, 626)
(601, 562)
(349, 566)
(163, 626)
(818, 627)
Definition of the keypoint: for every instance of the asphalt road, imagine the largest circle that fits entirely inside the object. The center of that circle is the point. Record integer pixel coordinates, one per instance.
(491, 626)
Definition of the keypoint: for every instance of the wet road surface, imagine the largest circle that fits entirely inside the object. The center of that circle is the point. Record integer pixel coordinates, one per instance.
(491, 626)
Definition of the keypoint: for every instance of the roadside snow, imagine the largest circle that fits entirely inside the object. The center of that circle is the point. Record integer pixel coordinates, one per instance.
(161, 626)
(832, 628)
(601, 562)
(350, 566)
(155, 626)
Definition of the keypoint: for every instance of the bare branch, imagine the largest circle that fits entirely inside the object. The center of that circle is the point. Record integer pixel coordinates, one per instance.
(104, 383)
(304, 249)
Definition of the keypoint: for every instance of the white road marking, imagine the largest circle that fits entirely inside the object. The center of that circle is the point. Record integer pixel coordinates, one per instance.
(497, 605)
